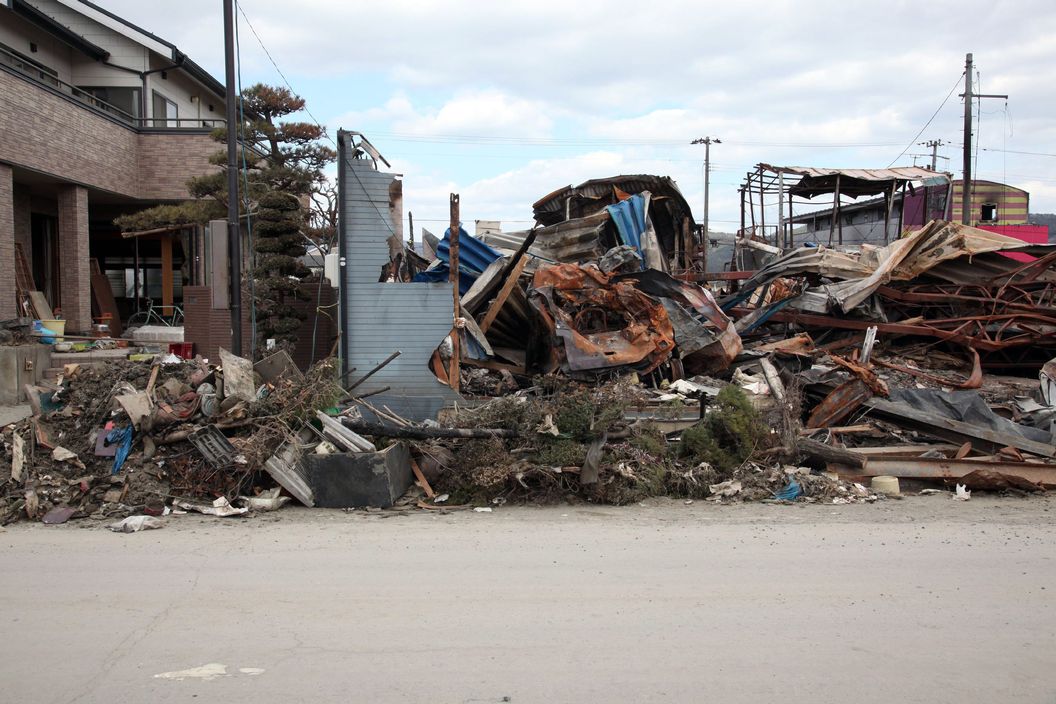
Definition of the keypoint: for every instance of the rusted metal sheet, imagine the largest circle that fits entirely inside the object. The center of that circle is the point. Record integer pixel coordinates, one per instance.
(600, 324)
(707, 332)
(841, 402)
(974, 380)
(572, 202)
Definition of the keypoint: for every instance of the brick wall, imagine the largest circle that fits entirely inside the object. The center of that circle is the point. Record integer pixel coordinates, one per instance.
(74, 282)
(209, 329)
(168, 160)
(23, 222)
(7, 242)
(55, 135)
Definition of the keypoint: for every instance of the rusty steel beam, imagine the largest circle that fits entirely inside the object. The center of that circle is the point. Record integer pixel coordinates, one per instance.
(981, 342)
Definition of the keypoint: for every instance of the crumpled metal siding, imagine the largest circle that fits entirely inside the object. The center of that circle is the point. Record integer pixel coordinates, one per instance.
(379, 318)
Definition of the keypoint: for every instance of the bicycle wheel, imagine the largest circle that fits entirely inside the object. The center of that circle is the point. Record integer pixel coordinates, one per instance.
(137, 319)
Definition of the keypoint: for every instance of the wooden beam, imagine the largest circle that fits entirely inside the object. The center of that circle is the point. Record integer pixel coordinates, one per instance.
(504, 293)
(166, 276)
(454, 374)
(951, 469)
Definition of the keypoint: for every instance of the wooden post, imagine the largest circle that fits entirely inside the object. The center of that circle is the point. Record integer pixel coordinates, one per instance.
(791, 226)
(166, 275)
(902, 210)
(455, 372)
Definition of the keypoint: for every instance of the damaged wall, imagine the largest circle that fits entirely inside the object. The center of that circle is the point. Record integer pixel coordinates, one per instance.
(380, 318)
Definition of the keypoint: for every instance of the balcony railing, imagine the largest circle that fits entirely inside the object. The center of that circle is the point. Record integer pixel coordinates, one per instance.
(38, 75)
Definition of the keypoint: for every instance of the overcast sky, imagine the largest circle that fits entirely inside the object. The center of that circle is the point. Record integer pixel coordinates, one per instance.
(504, 102)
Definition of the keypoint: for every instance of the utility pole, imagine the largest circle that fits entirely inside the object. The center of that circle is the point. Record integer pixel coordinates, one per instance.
(966, 186)
(934, 144)
(234, 233)
(706, 141)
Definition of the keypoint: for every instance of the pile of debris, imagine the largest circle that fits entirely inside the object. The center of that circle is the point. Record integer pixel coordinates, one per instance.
(889, 346)
(614, 442)
(587, 293)
(122, 437)
(868, 359)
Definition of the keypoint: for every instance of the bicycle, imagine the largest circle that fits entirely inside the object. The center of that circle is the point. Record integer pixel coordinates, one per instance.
(152, 316)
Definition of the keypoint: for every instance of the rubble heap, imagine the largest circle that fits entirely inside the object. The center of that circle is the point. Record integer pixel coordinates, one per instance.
(124, 437)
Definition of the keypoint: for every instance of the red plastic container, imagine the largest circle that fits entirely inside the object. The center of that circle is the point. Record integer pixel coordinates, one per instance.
(184, 350)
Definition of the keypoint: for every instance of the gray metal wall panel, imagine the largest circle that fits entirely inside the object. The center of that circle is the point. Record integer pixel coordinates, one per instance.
(381, 318)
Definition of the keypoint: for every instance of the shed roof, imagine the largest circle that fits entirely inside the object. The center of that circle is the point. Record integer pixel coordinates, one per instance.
(852, 182)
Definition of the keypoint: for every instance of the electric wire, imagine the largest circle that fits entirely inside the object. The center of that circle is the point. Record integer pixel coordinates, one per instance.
(930, 119)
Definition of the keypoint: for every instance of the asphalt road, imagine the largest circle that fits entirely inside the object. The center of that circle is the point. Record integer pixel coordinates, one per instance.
(920, 600)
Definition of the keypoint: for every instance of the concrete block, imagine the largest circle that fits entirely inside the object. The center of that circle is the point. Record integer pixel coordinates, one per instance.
(360, 479)
(158, 333)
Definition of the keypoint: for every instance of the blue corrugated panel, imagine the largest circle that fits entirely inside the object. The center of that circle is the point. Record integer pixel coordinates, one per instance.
(442, 273)
(629, 216)
(473, 255)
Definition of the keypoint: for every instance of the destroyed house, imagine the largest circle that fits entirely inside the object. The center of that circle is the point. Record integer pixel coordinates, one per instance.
(98, 118)
(586, 293)
(771, 196)
(995, 207)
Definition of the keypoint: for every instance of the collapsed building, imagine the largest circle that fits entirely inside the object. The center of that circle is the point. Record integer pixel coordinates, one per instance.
(588, 291)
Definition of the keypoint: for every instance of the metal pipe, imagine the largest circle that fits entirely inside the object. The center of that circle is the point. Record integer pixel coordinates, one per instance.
(234, 234)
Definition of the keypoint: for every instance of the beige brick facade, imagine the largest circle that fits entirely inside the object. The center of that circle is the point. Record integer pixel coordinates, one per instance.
(55, 135)
(87, 153)
(74, 280)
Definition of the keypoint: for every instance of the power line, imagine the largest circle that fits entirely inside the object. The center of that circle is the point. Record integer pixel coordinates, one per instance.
(282, 75)
(1013, 151)
(936, 113)
(480, 140)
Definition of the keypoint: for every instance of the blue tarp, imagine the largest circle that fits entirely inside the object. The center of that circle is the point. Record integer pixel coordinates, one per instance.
(473, 258)
(122, 437)
(473, 255)
(442, 274)
(629, 217)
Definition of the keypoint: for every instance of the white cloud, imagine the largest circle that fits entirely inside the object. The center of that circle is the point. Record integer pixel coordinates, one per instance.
(757, 75)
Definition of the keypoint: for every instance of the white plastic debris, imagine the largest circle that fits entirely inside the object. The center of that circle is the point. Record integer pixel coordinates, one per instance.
(441, 498)
(134, 524)
(267, 500)
(730, 487)
(482, 509)
(962, 493)
(221, 507)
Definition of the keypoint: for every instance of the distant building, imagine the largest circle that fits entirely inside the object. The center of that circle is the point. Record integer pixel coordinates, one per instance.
(996, 207)
(98, 117)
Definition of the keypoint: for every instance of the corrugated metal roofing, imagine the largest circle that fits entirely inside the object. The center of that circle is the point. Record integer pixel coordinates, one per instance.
(380, 318)
(904, 173)
(473, 254)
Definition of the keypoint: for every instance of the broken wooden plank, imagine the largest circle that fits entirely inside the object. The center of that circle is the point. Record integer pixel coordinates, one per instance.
(952, 469)
(902, 450)
(504, 293)
(819, 450)
(392, 431)
(773, 380)
(841, 429)
(40, 306)
(422, 481)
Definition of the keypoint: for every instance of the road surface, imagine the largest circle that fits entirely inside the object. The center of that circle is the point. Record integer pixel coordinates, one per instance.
(920, 600)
